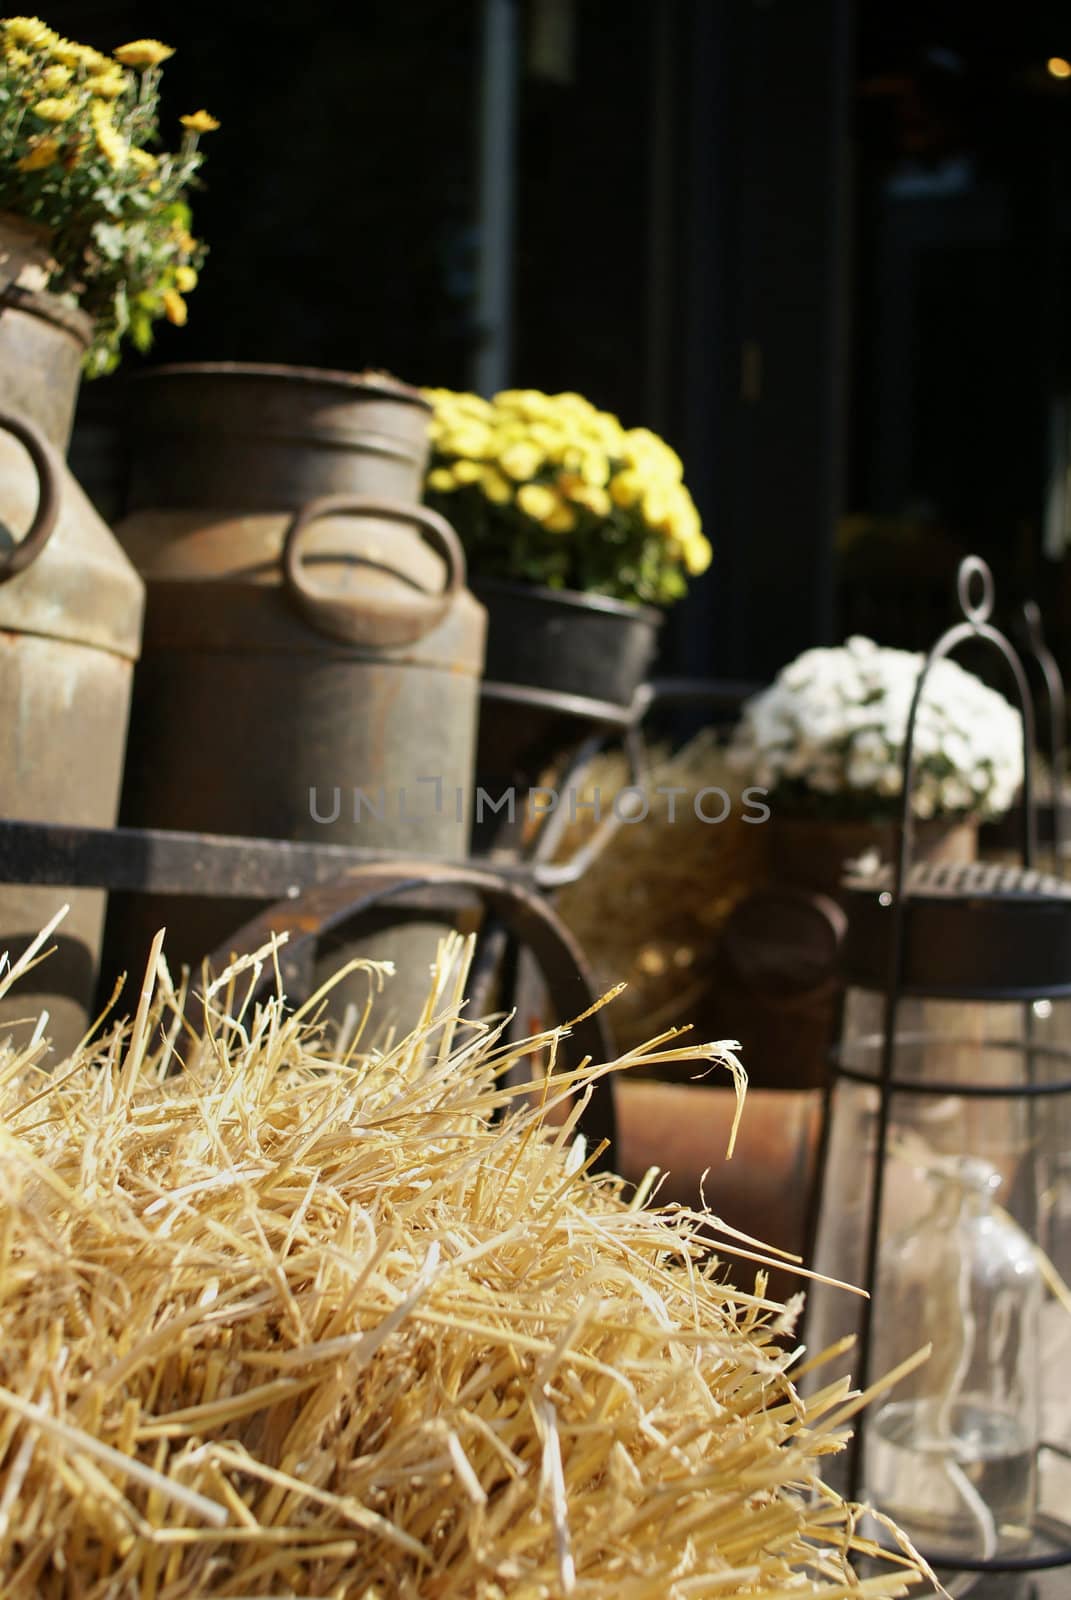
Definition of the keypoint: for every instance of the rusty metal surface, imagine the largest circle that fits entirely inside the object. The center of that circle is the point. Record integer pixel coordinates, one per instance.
(374, 610)
(267, 686)
(250, 438)
(348, 902)
(15, 558)
(75, 585)
(372, 383)
(70, 616)
(41, 347)
(161, 861)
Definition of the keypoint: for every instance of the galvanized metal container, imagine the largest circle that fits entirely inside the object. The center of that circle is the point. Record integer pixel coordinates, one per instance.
(70, 626)
(312, 657)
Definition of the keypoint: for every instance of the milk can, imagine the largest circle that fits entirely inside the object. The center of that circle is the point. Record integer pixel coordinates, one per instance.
(312, 656)
(70, 623)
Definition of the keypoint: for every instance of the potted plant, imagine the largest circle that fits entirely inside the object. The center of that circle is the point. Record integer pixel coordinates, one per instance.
(78, 166)
(576, 530)
(826, 741)
(94, 247)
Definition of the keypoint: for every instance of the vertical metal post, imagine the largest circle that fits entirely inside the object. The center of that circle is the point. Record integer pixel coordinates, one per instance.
(662, 176)
(497, 168)
(838, 309)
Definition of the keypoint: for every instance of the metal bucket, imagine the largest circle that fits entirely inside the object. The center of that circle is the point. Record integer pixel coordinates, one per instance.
(70, 623)
(312, 657)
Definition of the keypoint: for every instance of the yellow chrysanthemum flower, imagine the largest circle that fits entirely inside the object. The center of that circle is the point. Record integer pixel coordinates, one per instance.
(594, 468)
(467, 471)
(592, 498)
(472, 405)
(506, 433)
(110, 142)
(30, 31)
(56, 78)
(470, 439)
(498, 489)
(21, 60)
(506, 399)
(444, 400)
(61, 110)
(521, 461)
(537, 501)
(561, 520)
(547, 435)
(41, 154)
(79, 55)
(574, 406)
(174, 307)
(684, 521)
(655, 509)
(529, 404)
(199, 122)
(697, 556)
(185, 279)
(107, 85)
(442, 480)
(626, 487)
(145, 161)
(143, 53)
(646, 449)
(605, 434)
(183, 238)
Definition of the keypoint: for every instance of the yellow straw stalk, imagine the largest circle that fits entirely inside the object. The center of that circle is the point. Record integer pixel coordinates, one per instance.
(290, 1322)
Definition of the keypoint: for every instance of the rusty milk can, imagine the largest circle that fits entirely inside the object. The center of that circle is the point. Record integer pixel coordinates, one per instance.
(70, 625)
(312, 656)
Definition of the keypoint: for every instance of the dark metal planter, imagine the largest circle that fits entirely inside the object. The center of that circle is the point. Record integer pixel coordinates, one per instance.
(563, 642)
(558, 662)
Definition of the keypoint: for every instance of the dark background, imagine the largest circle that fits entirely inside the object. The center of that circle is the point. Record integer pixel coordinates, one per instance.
(822, 246)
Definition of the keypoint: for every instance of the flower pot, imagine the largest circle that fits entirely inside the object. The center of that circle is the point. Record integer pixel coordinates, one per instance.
(810, 852)
(25, 253)
(561, 642)
(70, 629)
(556, 661)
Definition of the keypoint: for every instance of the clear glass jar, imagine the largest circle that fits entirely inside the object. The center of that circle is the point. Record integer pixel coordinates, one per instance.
(951, 1454)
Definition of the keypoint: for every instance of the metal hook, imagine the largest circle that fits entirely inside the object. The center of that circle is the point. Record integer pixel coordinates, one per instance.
(970, 568)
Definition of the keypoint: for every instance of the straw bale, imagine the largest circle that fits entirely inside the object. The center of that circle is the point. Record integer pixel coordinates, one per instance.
(650, 908)
(290, 1322)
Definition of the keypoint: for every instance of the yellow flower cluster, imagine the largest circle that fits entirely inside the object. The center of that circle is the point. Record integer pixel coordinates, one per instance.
(110, 142)
(75, 127)
(68, 80)
(559, 459)
(143, 53)
(199, 122)
(62, 57)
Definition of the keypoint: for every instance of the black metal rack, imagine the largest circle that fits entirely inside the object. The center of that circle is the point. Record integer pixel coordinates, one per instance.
(310, 889)
(975, 934)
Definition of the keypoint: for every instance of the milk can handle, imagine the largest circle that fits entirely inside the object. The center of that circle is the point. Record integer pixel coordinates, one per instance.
(375, 620)
(44, 459)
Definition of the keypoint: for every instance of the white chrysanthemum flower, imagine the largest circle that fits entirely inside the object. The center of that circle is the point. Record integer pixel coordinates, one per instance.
(835, 721)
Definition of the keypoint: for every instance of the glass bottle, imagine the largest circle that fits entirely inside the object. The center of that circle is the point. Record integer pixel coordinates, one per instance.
(951, 1453)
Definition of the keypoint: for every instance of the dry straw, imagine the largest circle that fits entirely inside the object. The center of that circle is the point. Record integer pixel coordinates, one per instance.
(672, 876)
(285, 1323)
